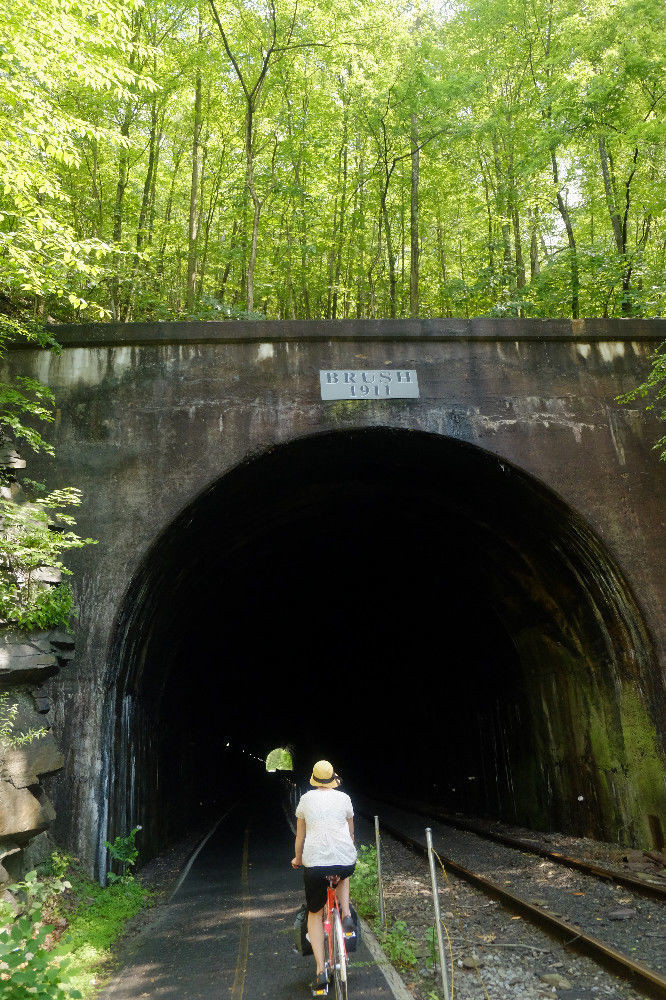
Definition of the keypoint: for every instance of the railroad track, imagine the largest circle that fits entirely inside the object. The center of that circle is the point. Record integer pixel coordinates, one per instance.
(401, 824)
(651, 889)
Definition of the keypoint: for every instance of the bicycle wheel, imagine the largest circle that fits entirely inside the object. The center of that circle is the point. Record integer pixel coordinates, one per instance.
(339, 958)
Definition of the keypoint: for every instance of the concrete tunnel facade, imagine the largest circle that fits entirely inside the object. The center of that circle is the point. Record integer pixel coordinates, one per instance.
(472, 581)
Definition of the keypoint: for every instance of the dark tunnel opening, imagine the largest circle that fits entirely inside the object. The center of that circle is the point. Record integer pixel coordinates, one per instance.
(420, 612)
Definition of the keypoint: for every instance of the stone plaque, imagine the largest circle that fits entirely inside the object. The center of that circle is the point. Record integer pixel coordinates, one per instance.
(399, 383)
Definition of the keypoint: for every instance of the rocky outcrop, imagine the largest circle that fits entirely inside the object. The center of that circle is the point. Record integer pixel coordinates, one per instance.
(26, 662)
(23, 812)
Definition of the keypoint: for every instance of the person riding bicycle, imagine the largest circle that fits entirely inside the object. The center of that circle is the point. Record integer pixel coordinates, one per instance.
(324, 846)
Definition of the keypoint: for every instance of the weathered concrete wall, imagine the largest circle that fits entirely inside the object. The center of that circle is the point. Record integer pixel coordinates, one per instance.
(150, 415)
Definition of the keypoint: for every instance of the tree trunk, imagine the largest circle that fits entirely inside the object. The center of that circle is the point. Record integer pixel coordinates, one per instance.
(193, 222)
(305, 292)
(619, 222)
(373, 264)
(227, 267)
(520, 264)
(611, 198)
(489, 215)
(121, 185)
(441, 253)
(414, 223)
(502, 207)
(148, 186)
(389, 253)
(573, 253)
(535, 267)
(331, 250)
(360, 288)
(341, 229)
(212, 205)
(153, 186)
(169, 205)
(256, 205)
(123, 178)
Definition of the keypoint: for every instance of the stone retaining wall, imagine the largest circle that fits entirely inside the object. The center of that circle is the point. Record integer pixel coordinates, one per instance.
(27, 662)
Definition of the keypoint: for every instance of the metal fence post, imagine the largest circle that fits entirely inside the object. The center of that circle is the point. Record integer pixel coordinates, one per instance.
(380, 887)
(438, 921)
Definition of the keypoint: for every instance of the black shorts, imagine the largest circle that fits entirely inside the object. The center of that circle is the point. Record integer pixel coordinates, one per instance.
(316, 883)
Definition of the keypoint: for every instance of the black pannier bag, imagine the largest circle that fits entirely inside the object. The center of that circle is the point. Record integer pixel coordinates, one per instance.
(352, 943)
(301, 942)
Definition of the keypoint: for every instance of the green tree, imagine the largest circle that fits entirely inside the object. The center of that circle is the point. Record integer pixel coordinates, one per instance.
(33, 537)
(203, 159)
(47, 54)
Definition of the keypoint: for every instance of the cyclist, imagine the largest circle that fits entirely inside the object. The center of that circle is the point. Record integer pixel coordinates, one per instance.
(324, 846)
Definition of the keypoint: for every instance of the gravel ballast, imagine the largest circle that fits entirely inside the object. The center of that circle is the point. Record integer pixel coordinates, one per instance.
(496, 953)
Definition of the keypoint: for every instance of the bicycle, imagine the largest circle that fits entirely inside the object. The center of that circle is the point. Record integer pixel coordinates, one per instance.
(335, 942)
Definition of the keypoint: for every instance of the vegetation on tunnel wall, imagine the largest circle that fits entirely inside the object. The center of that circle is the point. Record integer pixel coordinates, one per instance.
(34, 536)
(36, 526)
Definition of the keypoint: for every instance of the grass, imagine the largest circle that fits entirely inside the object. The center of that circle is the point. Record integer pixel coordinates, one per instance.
(97, 920)
(96, 917)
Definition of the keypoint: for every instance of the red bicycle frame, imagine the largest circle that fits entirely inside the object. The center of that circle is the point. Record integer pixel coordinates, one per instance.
(332, 903)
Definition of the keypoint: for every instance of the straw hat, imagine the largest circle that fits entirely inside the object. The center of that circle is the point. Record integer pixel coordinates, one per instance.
(323, 775)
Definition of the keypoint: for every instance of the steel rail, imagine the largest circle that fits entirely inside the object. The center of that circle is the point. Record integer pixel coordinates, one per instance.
(650, 889)
(573, 936)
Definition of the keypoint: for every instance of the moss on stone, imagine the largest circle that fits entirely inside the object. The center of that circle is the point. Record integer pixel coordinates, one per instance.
(646, 765)
(341, 410)
(592, 739)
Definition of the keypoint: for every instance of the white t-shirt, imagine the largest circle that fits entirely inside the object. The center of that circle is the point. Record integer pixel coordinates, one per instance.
(327, 837)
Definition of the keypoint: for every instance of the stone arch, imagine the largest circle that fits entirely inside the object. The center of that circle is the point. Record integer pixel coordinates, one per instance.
(495, 657)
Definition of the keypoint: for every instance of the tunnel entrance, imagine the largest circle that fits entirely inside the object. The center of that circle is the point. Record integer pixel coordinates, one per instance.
(475, 641)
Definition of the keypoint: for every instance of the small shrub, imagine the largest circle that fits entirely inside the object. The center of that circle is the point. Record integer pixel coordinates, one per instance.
(58, 865)
(29, 967)
(365, 884)
(125, 852)
(398, 945)
(8, 737)
(33, 536)
(49, 608)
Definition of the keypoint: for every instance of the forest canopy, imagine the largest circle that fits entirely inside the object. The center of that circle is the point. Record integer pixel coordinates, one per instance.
(305, 159)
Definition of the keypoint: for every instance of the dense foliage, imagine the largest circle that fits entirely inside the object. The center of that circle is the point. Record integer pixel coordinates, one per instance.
(34, 537)
(29, 965)
(58, 946)
(309, 159)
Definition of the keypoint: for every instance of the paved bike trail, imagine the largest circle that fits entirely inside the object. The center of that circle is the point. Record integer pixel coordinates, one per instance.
(226, 934)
